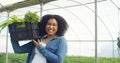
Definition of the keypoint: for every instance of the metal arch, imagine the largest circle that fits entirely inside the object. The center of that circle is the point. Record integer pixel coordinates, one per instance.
(22, 4)
(104, 25)
(114, 4)
(118, 21)
(77, 16)
(99, 18)
(80, 19)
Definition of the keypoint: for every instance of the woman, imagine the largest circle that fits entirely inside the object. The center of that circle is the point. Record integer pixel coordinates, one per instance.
(51, 47)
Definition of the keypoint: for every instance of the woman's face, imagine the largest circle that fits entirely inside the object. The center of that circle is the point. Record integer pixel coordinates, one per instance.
(51, 27)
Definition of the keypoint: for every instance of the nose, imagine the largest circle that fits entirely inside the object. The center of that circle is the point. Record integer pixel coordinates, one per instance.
(51, 26)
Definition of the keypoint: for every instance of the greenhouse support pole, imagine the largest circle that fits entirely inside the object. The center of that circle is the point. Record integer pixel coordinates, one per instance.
(96, 55)
(7, 40)
(6, 35)
(41, 4)
(41, 7)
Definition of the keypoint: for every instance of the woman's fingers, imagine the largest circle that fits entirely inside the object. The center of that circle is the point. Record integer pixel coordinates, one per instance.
(36, 42)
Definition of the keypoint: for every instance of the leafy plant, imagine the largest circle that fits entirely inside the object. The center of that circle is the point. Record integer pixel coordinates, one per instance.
(13, 19)
(29, 17)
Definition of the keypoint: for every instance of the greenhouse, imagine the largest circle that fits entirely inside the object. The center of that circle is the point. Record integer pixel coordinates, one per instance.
(92, 36)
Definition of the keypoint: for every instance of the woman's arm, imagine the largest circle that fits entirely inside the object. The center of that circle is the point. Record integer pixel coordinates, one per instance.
(22, 49)
(57, 57)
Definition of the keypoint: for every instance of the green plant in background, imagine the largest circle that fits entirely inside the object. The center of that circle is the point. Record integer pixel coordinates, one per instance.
(2, 57)
(13, 58)
(21, 58)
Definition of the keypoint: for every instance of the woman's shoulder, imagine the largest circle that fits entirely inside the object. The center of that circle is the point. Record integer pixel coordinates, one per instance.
(60, 37)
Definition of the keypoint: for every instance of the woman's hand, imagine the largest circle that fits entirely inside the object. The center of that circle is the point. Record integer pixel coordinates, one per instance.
(36, 42)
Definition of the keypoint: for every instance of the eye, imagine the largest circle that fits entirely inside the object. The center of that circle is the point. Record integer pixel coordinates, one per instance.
(48, 24)
(54, 24)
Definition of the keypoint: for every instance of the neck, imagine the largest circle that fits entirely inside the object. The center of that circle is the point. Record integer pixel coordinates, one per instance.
(50, 36)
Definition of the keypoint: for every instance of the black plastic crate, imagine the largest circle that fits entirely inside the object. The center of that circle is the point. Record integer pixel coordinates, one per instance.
(23, 31)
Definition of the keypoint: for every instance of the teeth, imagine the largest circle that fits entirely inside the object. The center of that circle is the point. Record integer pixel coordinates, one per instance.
(50, 30)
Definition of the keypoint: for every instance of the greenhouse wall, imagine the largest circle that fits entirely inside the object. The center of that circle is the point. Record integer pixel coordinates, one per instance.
(83, 47)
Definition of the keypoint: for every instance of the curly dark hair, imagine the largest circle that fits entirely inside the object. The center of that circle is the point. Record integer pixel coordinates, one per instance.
(62, 24)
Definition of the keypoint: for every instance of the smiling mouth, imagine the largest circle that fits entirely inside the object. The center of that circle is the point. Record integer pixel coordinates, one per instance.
(50, 30)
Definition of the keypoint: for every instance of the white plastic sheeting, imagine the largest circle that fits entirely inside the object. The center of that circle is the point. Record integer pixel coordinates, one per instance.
(80, 15)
